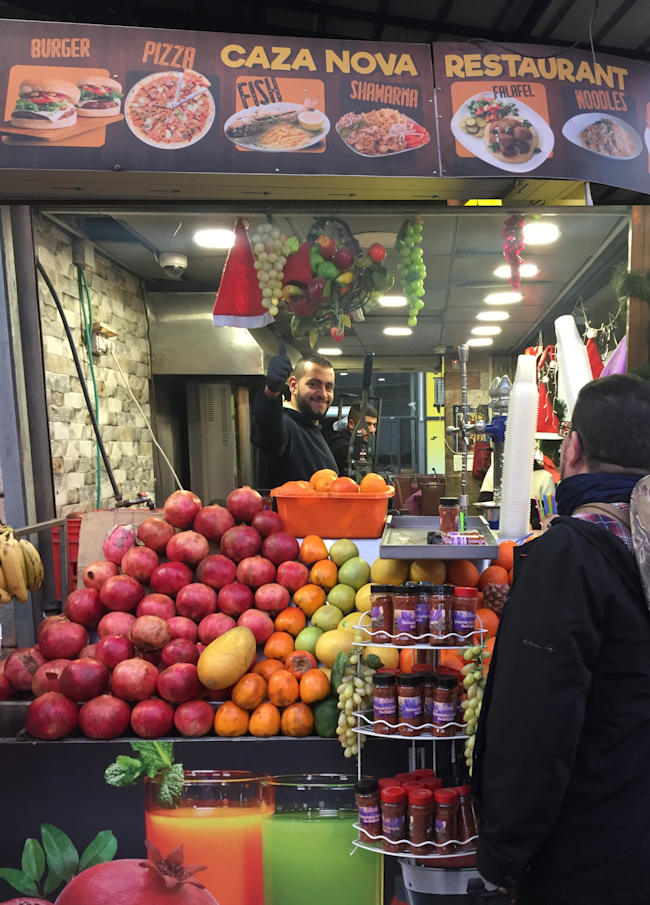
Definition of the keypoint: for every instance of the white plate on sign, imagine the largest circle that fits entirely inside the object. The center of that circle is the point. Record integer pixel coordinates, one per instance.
(311, 138)
(572, 128)
(476, 145)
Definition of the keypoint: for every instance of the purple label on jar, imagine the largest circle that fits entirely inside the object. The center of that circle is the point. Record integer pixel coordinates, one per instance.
(410, 708)
(405, 620)
(421, 612)
(428, 710)
(384, 706)
(377, 616)
(443, 713)
(437, 622)
(369, 814)
(464, 621)
(393, 827)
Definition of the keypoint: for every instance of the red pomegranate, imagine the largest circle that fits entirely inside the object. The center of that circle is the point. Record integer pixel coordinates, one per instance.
(267, 522)
(84, 679)
(182, 627)
(240, 542)
(181, 507)
(260, 624)
(179, 650)
(272, 598)
(62, 640)
(23, 901)
(292, 576)
(115, 623)
(134, 680)
(213, 626)
(48, 677)
(150, 633)
(117, 542)
(196, 601)
(178, 683)
(213, 521)
(188, 547)
(156, 605)
(155, 533)
(21, 667)
(280, 548)
(47, 621)
(244, 503)
(170, 577)
(51, 716)
(152, 719)
(216, 571)
(139, 563)
(95, 574)
(255, 571)
(104, 717)
(88, 651)
(235, 599)
(113, 649)
(157, 881)
(194, 719)
(121, 593)
(84, 606)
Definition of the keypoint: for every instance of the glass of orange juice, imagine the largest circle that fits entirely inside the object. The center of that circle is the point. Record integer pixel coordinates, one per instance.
(218, 821)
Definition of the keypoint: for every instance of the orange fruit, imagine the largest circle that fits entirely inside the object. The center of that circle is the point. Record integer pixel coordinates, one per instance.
(407, 659)
(322, 473)
(264, 721)
(309, 488)
(493, 575)
(294, 487)
(312, 550)
(462, 573)
(324, 574)
(344, 485)
(297, 721)
(230, 721)
(283, 688)
(291, 620)
(506, 555)
(373, 483)
(300, 662)
(511, 575)
(490, 622)
(450, 658)
(279, 646)
(309, 599)
(249, 692)
(266, 668)
(314, 686)
(324, 483)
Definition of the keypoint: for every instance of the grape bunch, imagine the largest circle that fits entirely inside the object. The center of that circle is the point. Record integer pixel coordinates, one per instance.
(474, 684)
(411, 267)
(271, 250)
(355, 694)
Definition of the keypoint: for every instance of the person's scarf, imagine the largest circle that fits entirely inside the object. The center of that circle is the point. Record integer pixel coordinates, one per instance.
(580, 489)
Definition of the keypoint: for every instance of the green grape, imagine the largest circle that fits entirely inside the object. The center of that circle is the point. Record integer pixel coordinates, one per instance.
(419, 305)
(409, 230)
(419, 292)
(405, 252)
(412, 321)
(408, 241)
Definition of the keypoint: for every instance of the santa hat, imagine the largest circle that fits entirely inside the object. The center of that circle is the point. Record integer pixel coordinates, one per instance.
(239, 299)
(547, 423)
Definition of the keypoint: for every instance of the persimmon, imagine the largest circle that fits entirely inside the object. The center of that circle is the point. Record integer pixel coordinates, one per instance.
(317, 475)
(297, 721)
(312, 550)
(506, 555)
(279, 646)
(462, 573)
(265, 721)
(283, 688)
(309, 599)
(493, 575)
(373, 483)
(314, 686)
(291, 620)
(266, 668)
(230, 720)
(324, 574)
(249, 692)
(300, 662)
(344, 485)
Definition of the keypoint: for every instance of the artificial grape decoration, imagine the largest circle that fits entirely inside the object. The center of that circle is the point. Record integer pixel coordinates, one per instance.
(411, 267)
(474, 684)
(513, 245)
(271, 250)
(355, 695)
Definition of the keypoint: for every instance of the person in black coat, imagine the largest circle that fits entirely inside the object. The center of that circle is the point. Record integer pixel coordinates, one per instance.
(562, 754)
(290, 440)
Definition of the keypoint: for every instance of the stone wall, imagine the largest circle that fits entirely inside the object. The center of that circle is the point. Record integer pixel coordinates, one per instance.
(118, 302)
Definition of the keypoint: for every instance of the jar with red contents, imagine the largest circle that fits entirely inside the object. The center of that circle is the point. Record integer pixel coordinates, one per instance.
(449, 512)
(446, 820)
(393, 818)
(381, 613)
(422, 610)
(384, 702)
(465, 603)
(424, 773)
(466, 819)
(441, 614)
(444, 708)
(428, 697)
(404, 603)
(432, 784)
(409, 704)
(420, 821)
(367, 797)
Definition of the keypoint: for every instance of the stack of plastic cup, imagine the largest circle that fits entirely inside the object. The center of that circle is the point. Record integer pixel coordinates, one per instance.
(519, 451)
(575, 370)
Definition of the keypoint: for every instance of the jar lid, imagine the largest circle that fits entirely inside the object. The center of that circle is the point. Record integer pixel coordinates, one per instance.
(393, 794)
(446, 796)
(442, 589)
(403, 777)
(420, 796)
(381, 588)
(383, 679)
(404, 589)
(432, 784)
(428, 675)
(464, 790)
(465, 592)
(387, 782)
(409, 679)
(424, 773)
(366, 786)
(411, 785)
(447, 682)
(449, 501)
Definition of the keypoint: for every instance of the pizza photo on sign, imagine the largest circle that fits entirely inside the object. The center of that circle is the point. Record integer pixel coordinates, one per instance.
(170, 110)
(383, 132)
(278, 127)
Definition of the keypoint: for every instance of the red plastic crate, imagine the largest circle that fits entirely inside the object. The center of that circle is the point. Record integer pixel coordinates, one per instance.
(74, 526)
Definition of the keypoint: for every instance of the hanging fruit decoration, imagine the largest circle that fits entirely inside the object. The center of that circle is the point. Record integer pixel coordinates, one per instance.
(513, 245)
(411, 267)
(271, 249)
(329, 281)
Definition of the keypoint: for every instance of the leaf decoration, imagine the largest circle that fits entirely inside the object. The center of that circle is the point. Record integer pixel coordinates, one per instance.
(101, 849)
(33, 860)
(19, 880)
(62, 856)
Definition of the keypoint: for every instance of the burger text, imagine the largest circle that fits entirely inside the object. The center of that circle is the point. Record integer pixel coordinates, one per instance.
(44, 48)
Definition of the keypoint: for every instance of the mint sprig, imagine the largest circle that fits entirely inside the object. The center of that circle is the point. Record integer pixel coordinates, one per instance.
(155, 760)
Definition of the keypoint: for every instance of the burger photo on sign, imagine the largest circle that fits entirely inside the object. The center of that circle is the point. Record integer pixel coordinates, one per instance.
(100, 96)
(45, 103)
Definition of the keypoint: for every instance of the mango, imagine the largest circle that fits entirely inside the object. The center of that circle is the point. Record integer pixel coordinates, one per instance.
(226, 659)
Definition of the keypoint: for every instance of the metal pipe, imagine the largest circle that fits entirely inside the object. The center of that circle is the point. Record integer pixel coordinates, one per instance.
(463, 354)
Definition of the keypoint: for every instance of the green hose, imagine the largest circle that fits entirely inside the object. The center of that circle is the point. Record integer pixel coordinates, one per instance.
(87, 314)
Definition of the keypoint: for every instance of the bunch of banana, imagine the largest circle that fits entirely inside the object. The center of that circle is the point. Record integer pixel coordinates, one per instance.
(21, 568)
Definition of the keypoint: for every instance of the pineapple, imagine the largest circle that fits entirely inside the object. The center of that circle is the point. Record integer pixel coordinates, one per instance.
(494, 597)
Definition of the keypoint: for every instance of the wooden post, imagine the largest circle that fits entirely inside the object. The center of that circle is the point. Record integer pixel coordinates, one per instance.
(638, 314)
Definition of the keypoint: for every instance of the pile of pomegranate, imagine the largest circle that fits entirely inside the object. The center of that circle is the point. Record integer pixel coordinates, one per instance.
(154, 604)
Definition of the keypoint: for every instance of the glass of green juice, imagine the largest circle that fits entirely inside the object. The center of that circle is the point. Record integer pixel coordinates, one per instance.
(307, 833)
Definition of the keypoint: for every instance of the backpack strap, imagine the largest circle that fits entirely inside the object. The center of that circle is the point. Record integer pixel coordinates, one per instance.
(606, 509)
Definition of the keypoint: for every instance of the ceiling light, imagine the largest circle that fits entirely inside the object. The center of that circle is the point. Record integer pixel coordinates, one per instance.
(483, 341)
(526, 270)
(343, 373)
(392, 301)
(486, 331)
(503, 298)
(365, 240)
(492, 316)
(398, 331)
(381, 379)
(540, 233)
(214, 238)
(330, 352)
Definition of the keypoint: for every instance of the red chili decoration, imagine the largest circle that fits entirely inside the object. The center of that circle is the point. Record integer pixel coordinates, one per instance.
(513, 245)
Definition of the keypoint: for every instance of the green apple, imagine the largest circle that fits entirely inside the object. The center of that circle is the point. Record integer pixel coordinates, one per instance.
(308, 637)
(326, 617)
(355, 572)
(343, 550)
(343, 597)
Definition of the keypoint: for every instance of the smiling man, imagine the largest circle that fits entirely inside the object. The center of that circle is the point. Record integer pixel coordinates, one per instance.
(289, 437)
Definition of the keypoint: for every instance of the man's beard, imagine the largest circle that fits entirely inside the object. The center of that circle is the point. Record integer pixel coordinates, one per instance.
(305, 408)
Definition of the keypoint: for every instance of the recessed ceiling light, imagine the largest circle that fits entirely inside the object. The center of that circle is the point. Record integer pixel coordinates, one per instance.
(503, 298)
(526, 270)
(330, 352)
(381, 379)
(540, 233)
(214, 238)
(365, 240)
(343, 373)
(483, 341)
(486, 331)
(398, 331)
(392, 301)
(492, 316)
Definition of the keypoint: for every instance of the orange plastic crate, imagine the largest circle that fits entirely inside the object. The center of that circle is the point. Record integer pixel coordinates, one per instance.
(333, 515)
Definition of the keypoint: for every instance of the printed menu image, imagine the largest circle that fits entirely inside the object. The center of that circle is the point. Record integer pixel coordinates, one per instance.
(170, 110)
(605, 135)
(380, 132)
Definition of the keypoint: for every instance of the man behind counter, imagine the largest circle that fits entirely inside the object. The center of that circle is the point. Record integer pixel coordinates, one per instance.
(340, 444)
(289, 437)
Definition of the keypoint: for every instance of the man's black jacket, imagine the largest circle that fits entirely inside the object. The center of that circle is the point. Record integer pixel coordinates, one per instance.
(562, 759)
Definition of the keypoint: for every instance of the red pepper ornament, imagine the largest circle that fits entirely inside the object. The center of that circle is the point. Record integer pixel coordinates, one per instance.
(513, 245)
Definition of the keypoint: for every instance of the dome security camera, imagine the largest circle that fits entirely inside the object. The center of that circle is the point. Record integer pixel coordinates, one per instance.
(173, 264)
